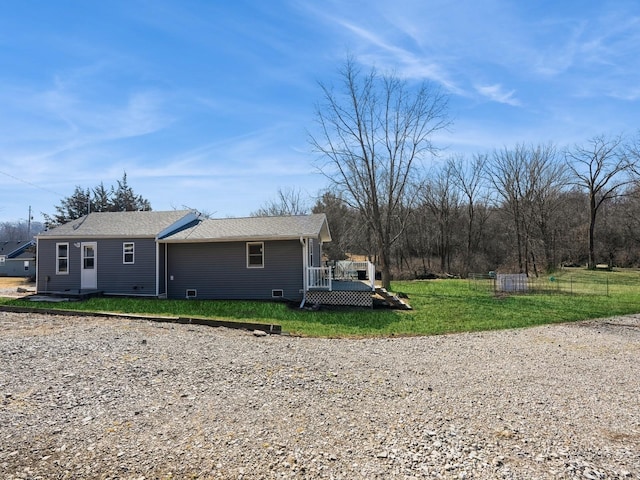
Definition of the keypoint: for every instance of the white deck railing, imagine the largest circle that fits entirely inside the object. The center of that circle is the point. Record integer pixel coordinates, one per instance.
(319, 277)
(345, 270)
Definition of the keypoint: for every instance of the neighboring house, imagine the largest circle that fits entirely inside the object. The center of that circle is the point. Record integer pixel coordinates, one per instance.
(17, 258)
(180, 255)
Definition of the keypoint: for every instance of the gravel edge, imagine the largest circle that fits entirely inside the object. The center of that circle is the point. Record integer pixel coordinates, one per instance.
(85, 397)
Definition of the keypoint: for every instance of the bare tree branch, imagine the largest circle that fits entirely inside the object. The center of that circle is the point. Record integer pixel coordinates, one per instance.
(371, 136)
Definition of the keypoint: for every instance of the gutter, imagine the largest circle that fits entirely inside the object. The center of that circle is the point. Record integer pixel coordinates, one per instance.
(305, 280)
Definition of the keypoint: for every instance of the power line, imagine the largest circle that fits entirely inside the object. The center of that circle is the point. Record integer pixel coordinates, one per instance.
(32, 184)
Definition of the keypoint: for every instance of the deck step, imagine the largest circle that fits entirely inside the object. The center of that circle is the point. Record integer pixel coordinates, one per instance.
(392, 300)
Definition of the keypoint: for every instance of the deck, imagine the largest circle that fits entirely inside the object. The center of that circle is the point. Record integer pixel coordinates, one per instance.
(346, 283)
(346, 286)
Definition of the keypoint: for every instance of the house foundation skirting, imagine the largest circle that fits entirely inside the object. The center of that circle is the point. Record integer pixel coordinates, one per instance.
(355, 299)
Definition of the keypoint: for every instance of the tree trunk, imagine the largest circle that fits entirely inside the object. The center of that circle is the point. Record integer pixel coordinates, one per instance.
(592, 229)
(386, 271)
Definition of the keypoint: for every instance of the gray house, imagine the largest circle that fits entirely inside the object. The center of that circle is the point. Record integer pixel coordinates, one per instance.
(115, 253)
(17, 258)
(178, 254)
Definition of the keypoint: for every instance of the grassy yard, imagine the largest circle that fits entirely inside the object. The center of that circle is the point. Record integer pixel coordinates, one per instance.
(440, 306)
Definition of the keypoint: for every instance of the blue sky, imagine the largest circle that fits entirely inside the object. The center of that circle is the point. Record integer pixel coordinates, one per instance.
(208, 104)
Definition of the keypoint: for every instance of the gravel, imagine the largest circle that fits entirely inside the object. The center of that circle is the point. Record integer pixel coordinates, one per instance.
(84, 397)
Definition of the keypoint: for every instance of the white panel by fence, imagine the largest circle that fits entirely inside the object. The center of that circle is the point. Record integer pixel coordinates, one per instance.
(512, 282)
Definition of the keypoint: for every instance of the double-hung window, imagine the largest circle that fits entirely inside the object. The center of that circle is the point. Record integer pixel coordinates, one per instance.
(128, 252)
(62, 258)
(255, 254)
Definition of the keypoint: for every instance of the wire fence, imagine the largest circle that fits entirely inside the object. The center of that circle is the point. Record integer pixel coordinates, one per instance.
(521, 284)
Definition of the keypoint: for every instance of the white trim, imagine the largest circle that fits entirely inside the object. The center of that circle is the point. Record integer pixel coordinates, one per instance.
(58, 258)
(88, 275)
(249, 255)
(132, 253)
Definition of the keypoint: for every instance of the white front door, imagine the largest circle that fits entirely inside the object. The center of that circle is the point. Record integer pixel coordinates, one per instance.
(89, 271)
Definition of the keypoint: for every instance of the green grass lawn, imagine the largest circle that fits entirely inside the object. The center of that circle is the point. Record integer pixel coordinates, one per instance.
(439, 306)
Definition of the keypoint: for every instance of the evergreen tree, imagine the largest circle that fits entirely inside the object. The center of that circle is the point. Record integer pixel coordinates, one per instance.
(98, 199)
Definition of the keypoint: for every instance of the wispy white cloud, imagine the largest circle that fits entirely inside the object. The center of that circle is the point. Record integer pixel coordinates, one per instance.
(380, 50)
(496, 93)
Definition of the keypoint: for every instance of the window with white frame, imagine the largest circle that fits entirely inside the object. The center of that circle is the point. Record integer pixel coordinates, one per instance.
(62, 258)
(128, 252)
(255, 254)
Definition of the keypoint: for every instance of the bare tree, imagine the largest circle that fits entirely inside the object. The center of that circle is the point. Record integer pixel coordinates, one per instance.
(602, 168)
(441, 196)
(547, 179)
(287, 202)
(507, 173)
(343, 223)
(19, 230)
(470, 181)
(371, 135)
(530, 179)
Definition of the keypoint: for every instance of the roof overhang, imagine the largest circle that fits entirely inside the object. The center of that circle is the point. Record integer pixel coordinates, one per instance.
(260, 238)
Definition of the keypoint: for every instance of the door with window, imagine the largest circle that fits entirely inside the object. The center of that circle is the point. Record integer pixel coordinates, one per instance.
(89, 270)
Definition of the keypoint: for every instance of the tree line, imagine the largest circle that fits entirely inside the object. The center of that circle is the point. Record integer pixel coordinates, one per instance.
(525, 208)
(528, 209)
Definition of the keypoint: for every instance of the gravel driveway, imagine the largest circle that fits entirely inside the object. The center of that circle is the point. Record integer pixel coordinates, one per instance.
(121, 398)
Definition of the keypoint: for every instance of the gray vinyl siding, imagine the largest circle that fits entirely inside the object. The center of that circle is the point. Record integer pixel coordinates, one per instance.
(47, 279)
(14, 267)
(219, 270)
(114, 277)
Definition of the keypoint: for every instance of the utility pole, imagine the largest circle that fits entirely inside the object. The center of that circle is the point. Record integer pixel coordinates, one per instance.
(29, 224)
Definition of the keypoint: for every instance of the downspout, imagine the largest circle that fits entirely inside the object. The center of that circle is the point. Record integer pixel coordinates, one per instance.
(37, 261)
(157, 268)
(166, 270)
(305, 277)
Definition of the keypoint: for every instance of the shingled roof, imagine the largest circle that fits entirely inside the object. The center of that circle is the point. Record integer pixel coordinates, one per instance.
(147, 224)
(15, 248)
(255, 228)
